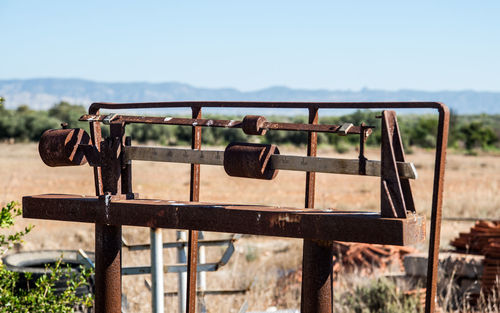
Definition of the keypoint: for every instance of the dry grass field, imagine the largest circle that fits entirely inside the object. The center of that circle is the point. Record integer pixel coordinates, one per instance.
(471, 190)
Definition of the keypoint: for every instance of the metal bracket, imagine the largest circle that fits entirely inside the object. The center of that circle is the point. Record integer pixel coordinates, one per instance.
(395, 194)
(107, 120)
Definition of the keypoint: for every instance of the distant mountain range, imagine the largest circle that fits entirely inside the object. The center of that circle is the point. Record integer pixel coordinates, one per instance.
(42, 93)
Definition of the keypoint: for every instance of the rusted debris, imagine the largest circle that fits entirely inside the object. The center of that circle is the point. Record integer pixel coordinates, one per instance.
(484, 238)
(478, 237)
(365, 258)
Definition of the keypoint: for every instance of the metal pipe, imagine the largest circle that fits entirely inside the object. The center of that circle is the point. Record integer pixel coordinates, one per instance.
(317, 261)
(108, 268)
(437, 205)
(194, 195)
(94, 107)
(202, 276)
(199, 122)
(157, 270)
(182, 276)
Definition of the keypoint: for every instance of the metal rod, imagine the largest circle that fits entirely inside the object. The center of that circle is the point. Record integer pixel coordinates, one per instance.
(277, 161)
(222, 123)
(173, 268)
(437, 202)
(94, 107)
(182, 276)
(469, 219)
(156, 270)
(194, 195)
(210, 292)
(202, 276)
(107, 237)
(107, 269)
(317, 261)
(177, 244)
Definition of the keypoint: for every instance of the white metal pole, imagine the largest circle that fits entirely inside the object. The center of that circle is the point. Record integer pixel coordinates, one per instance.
(182, 259)
(202, 276)
(157, 270)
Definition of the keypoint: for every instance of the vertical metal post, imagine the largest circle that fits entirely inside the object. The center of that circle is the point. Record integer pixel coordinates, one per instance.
(182, 276)
(157, 270)
(108, 238)
(194, 195)
(202, 276)
(317, 260)
(437, 202)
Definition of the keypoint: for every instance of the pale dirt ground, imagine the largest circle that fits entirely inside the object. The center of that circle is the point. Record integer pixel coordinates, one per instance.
(471, 190)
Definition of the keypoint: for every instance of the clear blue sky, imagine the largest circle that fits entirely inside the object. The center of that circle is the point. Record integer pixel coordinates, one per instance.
(450, 45)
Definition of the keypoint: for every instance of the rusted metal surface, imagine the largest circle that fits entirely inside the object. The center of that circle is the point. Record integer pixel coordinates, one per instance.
(254, 125)
(312, 144)
(361, 157)
(392, 201)
(94, 107)
(108, 237)
(250, 160)
(59, 147)
(317, 278)
(354, 226)
(194, 195)
(437, 204)
(317, 261)
(251, 124)
(112, 210)
(108, 285)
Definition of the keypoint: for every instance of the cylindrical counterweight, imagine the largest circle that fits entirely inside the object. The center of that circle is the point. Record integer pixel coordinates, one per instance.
(253, 125)
(250, 160)
(59, 147)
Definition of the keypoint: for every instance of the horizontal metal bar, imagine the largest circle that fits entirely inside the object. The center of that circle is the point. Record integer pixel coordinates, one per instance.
(179, 244)
(469, 219)
(176, 268)
(210, 292)
(175, 155)
(96, 106)
(366, 227)
(282, 162)
(131, 119)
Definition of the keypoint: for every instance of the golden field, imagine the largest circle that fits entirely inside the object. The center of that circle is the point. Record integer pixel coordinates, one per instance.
(471, 190)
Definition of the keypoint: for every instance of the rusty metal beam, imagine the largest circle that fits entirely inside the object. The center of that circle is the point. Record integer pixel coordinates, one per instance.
(194, 195)
(366, 227)
(108, 280)
(437, 204)
(160, 120)
(94, 107)
(317, 261)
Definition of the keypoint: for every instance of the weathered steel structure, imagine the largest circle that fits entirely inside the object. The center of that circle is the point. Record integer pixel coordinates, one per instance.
(115, 204)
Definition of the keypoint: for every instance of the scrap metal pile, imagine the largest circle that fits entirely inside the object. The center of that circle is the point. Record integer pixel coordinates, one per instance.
(365, 258)
(484, 238)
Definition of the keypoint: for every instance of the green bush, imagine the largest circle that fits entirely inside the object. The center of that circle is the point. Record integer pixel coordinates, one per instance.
(380, 296)
(42, 296)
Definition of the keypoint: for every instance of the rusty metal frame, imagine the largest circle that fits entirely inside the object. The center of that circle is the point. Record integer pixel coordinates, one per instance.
(105, 210)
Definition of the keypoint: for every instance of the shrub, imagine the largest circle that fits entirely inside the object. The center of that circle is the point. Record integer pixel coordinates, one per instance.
(42, 297)
(380, 296)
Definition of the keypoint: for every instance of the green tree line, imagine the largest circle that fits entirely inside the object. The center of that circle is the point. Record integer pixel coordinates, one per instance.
(467, 132)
